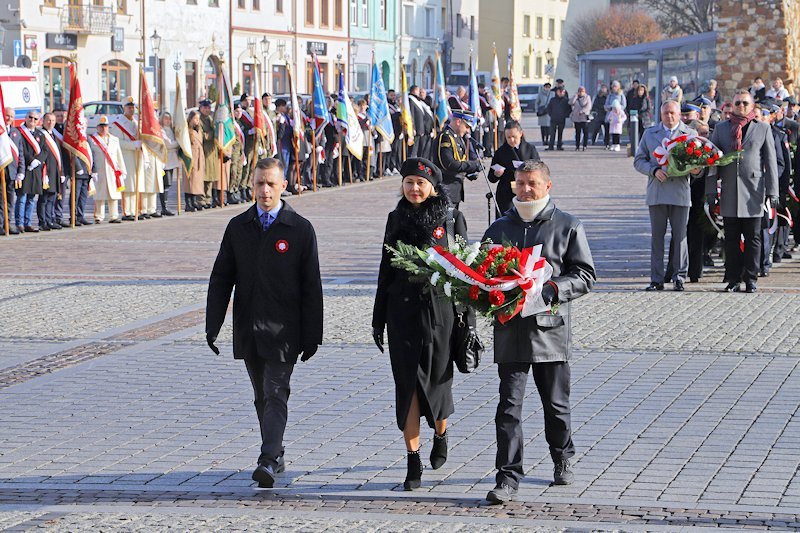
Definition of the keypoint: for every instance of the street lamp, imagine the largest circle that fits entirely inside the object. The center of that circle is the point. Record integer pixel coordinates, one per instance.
(264, 43)
(548, 57)
(155, 44)
(354, 79)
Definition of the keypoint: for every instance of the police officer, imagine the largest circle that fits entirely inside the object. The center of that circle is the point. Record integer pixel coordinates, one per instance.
(452, 155)
(784, 153)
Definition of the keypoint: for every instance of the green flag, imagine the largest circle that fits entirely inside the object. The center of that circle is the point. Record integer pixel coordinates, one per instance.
(223, 114)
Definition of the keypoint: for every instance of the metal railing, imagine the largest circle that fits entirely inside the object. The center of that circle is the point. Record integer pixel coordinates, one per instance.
(96, 20)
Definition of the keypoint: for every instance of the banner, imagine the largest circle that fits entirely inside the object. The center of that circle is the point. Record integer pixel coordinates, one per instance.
(405, 108)
(497, 89)
(181, 127)
(440, 105)
(151, 134)
(322, 115)
(513, 95)
(223, 114)
(6, 150)
(297, 114)
(474, 100)
(378, 111)
(347, 117)
(75, 137)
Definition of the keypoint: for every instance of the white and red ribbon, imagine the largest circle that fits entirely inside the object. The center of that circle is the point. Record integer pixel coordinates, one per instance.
(662, 152)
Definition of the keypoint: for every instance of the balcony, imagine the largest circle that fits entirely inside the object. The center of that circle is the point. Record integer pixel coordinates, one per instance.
(95, 20)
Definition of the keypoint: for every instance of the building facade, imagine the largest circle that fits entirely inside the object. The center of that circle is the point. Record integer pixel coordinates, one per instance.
(422, 27)
(321, 26)
(461, 29)
(373, 28)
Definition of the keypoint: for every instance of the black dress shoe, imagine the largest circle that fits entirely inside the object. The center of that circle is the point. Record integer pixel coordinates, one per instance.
(128, 217)
(265, 476)
(114, 221)
(44, 228)
(144, 216)
(167, 213)
(280, 467)
(654, 287)
(776, 259)
(693, 279)
(13, 230)
(439, 451)
(562, 473)
(414, 472)
(155, 215)
(786, 255)
(732, 287)
(750, 287)
(678, 286)
(763, 274)
(84, 222)
(55, 226)
(502, 493)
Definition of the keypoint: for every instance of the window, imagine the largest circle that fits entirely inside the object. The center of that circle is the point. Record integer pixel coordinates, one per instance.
(459, 22)
(213, 3)
(526, 66)
(362, 76)
(429, 20)
(472, 27)
(191, 2)
(191, 83)
(539, 27)
(538, 66)
(562, 28)
(56, 82)
(383, 14)
(115, 80)
(49, 3)
(278, 6)
(337, 13)
(408, 19)
(248, 73)
(97, 3)
(256, 5)
(122, 7)
(444, 19)
(354, 12)
(324, 19)
(364, 13)
(241, 4)
(309, 12)
(526, 26)
(551, 29)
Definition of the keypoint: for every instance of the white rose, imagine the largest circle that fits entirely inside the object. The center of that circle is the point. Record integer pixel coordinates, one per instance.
(447, 287)
(435, 278)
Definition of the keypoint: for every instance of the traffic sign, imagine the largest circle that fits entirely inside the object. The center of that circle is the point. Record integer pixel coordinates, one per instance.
(17, 48)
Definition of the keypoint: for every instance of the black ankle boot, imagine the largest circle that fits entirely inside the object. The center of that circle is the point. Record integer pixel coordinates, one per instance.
(188, 203)
(414, 474)
(162, 196)
(439, 450)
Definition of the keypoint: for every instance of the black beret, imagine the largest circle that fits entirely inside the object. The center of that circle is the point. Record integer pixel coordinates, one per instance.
(418, 166)
(790, 100)
(205, 102)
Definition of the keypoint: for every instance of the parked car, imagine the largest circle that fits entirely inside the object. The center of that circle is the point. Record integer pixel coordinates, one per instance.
(527, 96)
(460, 78)
(93, 110)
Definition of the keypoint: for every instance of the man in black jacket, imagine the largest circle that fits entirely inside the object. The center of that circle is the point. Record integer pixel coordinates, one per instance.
(539, 342)
(451, 155)
(269, 253)
(559, 109)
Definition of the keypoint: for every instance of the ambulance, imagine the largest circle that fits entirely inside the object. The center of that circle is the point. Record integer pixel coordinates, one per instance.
(21, 91)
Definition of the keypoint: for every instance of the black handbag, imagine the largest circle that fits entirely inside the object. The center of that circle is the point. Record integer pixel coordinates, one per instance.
(542, 111)
(466, 347)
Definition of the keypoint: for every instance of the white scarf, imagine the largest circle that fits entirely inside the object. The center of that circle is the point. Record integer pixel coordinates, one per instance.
(529, 210)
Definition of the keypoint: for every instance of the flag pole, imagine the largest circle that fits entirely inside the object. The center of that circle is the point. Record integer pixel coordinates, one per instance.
(314, 159)
(339, 159)
(138, 152)
(221, 165)
(5, 201)
(73, 192)
(496, 125)
(178, 183)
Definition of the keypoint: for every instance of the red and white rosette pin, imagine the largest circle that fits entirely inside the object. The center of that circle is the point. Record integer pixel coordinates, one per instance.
(282, 246)
(438, 233)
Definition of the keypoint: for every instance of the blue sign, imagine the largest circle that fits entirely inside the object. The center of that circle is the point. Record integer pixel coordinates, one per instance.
(17, 47)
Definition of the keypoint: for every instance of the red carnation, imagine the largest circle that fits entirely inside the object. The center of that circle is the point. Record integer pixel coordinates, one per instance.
(707, 148)
(496, 297)
(689, 150)
(502, 268)
(482, 270)
(474, 292)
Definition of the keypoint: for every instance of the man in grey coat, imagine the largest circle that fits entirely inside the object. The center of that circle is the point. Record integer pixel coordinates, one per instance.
(745, 185)
(668, 198)
(538, 343)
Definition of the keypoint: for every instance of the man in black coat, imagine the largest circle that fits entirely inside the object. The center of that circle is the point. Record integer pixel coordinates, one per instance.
(538, 343)
(269, 253)
(559, 109)
(451, 155)
(505, 161)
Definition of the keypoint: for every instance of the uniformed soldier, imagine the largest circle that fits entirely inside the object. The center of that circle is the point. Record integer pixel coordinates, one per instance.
(768, 108)
(108, 172)
(238, 158)
(126, 129)
(452, 156)
(211, 153)
(14, 171)
(784, 149)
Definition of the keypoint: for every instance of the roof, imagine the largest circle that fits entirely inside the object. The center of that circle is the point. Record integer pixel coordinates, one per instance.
(638, 51)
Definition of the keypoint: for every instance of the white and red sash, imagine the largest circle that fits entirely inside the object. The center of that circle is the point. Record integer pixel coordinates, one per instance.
(58, 136)
(271, 134)
(248, 119)
(103, 148)
(54, 149)
(14, 149)
(239, 132)
(125, 130)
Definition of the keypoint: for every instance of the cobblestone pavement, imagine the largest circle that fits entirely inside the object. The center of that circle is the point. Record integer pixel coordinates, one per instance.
(114, 415)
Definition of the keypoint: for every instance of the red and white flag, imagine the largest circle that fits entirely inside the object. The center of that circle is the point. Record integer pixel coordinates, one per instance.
(150, 127)
(7, 148)
(75, 138)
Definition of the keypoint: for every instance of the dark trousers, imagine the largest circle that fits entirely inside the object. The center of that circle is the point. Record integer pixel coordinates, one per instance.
(556, 130)
(581, 131)
(552, 382)
(545, 134)
(742, 266)
(271, 388)
(82, 193)
(65, 190)
(695, 232)
(606, 133)
(45, 209)
(10, 197)
(781, 240)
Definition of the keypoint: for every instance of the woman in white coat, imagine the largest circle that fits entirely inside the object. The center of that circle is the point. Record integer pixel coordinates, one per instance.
(172, 167)
(108, 171)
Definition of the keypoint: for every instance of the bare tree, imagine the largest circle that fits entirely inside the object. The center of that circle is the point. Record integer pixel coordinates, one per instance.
(619, 25)
(683, 17)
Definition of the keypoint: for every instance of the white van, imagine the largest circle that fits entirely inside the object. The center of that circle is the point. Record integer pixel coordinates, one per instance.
(460, 78)
(21, 91)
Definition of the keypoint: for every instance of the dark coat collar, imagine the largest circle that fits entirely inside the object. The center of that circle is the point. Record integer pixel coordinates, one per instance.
(286, 215)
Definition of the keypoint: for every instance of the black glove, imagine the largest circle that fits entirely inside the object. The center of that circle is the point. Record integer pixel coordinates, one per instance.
(226, 158)
(549, 293)
(308, 352)
(711, 199)
(210, 339)
(377, 336)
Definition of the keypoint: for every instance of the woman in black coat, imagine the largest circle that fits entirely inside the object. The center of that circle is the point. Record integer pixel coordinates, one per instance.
(419, 318)
(516, 148)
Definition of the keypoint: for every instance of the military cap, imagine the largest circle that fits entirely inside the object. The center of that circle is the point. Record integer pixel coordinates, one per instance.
(130, 101)
(418, 166)
(466, 115)
(688, 107)
(702, 101)
(103, 121)
(790, 100)
(205, 102)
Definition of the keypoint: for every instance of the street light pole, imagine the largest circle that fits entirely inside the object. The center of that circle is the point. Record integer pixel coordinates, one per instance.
(155, 43)
(548, 56)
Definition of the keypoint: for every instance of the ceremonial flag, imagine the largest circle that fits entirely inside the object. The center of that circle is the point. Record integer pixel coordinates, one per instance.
(378, 111)
(223, 114)
(76, 140)
(181, 127)
(474, 100)
(322, 115)
(297, 114)
(150, 129)
(405, 108)
(259, 118)
(6, 150)
(347, 117)
(496, 93)
(513, 96)
(442, 108)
